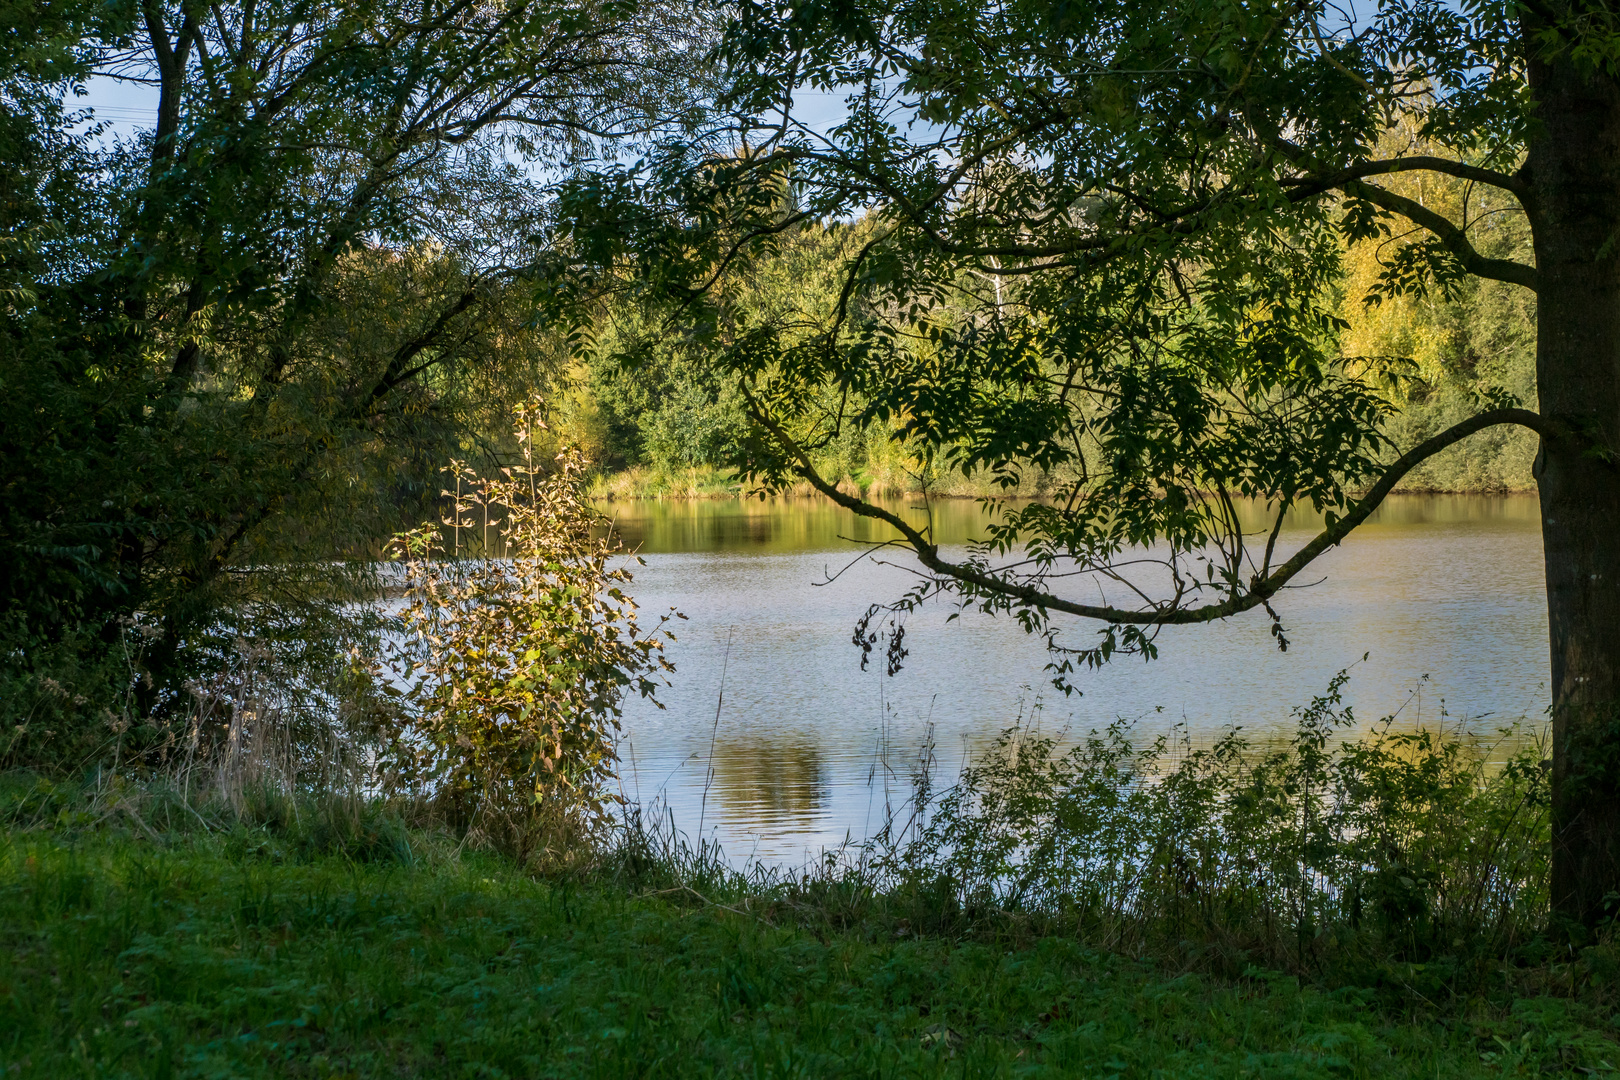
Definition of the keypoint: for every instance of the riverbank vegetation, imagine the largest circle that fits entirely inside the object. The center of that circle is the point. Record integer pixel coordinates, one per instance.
(293, 882)
(258, 821)
(294, 879)
(1325, 906)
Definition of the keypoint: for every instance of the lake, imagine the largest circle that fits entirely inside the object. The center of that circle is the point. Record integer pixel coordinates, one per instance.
(1444, 595)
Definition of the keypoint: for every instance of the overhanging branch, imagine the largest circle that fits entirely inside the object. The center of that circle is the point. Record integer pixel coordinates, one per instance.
(1260, 589)
(1411, 163)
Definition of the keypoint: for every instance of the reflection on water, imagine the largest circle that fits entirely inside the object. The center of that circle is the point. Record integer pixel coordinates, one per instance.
(1443, 592)
(780, 525)
(765, 526)
(781, 785)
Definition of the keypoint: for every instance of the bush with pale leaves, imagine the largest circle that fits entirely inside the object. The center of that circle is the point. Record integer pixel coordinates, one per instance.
(516, 653)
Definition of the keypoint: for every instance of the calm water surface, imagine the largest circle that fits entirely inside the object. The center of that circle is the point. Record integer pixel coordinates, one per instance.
(1444, 594)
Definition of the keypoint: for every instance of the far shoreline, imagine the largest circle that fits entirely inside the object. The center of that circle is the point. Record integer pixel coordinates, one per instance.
(741, 494)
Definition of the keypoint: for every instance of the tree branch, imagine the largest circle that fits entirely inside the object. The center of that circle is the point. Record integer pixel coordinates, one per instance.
(1447, 233)
(1459, 169)
(1261, 588)
(397, 371)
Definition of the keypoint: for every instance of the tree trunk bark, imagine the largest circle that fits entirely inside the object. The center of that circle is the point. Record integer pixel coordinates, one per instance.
(1573, 168)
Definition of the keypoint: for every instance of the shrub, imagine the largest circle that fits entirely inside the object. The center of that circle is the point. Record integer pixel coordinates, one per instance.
(516, 652)
(1413, 862)
(67, 705)
(1416, 855)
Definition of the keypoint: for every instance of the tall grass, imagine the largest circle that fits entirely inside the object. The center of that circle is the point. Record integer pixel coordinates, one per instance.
(262, 748)
(1414, 860)
(1410, 858)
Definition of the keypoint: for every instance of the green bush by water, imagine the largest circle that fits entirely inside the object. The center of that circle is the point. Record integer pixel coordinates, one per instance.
(1405, 856)
(1413, 863)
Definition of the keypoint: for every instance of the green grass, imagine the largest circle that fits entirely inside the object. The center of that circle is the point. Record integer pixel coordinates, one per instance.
(226, 957)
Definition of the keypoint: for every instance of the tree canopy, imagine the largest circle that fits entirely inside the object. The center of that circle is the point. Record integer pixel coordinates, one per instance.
(236, 348)
(1110, 239)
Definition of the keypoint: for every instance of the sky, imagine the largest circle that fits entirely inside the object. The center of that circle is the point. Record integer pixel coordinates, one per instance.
(127, 107)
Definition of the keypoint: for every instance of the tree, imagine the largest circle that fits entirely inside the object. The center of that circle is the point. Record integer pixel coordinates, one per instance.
(241, 343)
(654, 398)
(1110, 238)
(1475, 338)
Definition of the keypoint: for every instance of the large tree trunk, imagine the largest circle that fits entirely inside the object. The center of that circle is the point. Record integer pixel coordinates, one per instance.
(1574, 174)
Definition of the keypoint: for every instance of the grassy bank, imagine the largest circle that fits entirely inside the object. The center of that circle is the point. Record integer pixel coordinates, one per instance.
(127, 954)
(643, 482)
(1338, 903)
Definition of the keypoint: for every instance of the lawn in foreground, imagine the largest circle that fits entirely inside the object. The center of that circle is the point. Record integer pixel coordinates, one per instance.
(222, 957)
